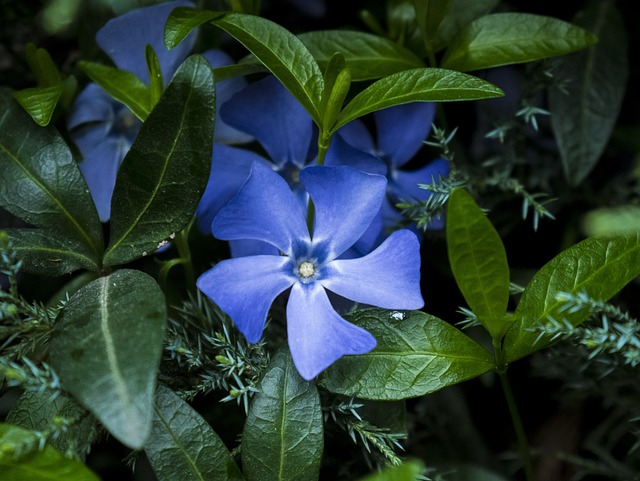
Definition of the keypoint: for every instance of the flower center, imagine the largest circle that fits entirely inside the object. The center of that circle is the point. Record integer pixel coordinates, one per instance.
(306, 269)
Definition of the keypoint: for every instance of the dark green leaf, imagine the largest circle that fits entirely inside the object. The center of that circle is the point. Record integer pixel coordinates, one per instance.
(41, 182)
(417, 85)
(407, 471)
(367, 56)
(49, 254)
(390, 415)
(246, 6)
(106, 347)
(283, 437)
(583, 118)
(42, 66)
(165, 172)
(39, 102)
(461, 13)
(238, 70)
(20, 459)
(156, 86)
(183, 21)
(599, 266)
(183, 447)
(282, 53)
(478, 262)
(429, 16)
(416, 354)
(38, 412)
(122, 85)
(507, 38)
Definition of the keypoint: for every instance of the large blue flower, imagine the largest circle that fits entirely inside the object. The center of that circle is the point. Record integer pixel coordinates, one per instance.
(104, 129)
(266, 209)
(400, 132)
(269, 113)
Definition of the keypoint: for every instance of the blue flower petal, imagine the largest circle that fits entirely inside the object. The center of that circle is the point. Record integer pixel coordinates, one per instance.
(92, 105)
(318, 336)
(357, 134)
(245, 248)
(342, 153)
(100, 169)
(267, 111)
(346, 201)
(389, 277)
(230, 167)
(264, 209)
(245, 288)
(124, 39)
(224, 133)
(405, 183)
(401, 130)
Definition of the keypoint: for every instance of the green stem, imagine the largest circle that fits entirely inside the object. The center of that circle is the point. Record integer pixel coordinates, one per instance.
(324, 141)
(182, 244)
(516, 420)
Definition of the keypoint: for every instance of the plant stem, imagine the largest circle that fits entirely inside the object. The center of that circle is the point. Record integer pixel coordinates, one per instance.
(516, 420)
(182, 243)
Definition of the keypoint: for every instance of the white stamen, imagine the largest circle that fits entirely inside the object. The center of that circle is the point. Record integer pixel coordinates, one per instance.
(306, 269)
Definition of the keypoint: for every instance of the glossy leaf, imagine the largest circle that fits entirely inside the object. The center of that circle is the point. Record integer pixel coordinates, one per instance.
(478, 262)
(407, 471)
(416, 354)
(238, 70)
(165, 172)
(183, 447)
(36, 411)
(20, 459)
(183, 21)
(283, 436)
(282, 53)
(599, 266)
(508, 38)
(367, 56)
(106, 348)
(122, 85)
(40, 102)
(48, 254)
(583, 118)
(41, 182)
(461, 13)
(42, 66)
(417, 85)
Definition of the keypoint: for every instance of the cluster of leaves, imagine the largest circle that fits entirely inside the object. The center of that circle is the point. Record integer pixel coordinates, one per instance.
(114, 357)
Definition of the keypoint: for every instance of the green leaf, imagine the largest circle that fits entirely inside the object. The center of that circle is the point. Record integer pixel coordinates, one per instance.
(583, 119)
(417, 85)
(156, 86)
(478, 262)
(407, 471)
(20, 459)
(507, 38)
(599, 266)
(624, 219)
(246, 6)
(429, 16)
(42, 66)
(38, 412)
(283, 437)
(416, 354)
(183, 447)
(106, 348)
(367, 56)
(49, 254)
(165, 172)
(389, 415)
(39, 102)
(282, 53)
(41, 182)
(183, 21)
(461, 13)
(238, 70)
(122, 85)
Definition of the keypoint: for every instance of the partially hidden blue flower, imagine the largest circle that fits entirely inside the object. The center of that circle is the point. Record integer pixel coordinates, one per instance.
(269, 113)
(266, 209)
(103, 128)
(400, 132)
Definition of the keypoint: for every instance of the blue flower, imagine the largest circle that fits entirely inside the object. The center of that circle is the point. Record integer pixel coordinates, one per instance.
(104, 129)
(266, 209)
(269, 113)
(400, 131)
